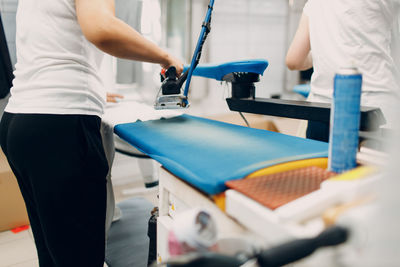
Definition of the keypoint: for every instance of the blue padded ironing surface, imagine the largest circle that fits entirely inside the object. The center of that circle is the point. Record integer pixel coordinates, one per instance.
(207, 153)
(218, 71)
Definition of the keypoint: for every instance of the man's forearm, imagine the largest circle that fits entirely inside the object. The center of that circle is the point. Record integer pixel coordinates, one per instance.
(113, 36)
(124, 42)
(308, 63)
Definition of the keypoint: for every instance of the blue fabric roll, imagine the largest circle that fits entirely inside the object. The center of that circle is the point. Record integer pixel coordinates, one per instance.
(207, 153)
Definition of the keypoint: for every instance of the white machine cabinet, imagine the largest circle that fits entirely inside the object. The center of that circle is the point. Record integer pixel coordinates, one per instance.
(246, 218)
(176, 196)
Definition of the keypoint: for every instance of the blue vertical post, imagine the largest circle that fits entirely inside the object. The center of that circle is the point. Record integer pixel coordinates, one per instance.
(199, 46)
(345, 120)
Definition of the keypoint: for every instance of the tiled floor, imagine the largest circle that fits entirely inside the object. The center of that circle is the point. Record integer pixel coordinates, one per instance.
(18, 250)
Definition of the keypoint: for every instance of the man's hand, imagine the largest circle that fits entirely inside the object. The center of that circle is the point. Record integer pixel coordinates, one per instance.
(172, 61)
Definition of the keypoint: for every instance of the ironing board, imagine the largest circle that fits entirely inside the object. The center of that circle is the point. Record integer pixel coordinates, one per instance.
(207, 153)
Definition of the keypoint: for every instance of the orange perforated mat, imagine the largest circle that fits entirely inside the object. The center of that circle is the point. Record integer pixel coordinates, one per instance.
(279, 189)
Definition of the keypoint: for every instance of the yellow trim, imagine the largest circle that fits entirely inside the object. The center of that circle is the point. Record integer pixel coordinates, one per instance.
(293, 165)
(219, 199)
(355, 174)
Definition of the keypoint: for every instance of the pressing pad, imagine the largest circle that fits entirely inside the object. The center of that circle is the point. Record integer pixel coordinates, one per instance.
(279, 189)
(207, 153)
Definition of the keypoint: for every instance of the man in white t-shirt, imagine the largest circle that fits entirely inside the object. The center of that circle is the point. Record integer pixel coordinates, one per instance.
(341, 33)
(50, 131)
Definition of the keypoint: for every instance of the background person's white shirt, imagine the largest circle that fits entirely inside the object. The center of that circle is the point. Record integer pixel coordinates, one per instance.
(57, 67)
(358, 32)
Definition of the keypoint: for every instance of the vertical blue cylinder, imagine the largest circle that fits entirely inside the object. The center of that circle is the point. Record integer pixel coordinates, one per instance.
(345, 120)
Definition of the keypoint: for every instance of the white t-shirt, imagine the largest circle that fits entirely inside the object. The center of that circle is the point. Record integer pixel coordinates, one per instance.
(57, 67)
(354, 32)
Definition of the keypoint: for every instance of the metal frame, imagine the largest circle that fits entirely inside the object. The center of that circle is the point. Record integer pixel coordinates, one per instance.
(371, 118)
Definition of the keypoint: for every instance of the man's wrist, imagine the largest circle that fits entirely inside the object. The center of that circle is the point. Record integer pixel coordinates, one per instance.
(165, 60)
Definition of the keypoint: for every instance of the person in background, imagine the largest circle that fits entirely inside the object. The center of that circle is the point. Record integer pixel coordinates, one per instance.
(50, 131)
(340, 33)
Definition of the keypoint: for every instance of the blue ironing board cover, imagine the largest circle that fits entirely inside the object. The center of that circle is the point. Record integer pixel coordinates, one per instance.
(207, 153)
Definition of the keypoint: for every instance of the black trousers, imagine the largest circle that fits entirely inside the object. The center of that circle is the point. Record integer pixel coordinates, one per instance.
(61, 169)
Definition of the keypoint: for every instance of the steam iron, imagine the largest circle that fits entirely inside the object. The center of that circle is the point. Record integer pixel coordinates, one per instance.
(170, 95)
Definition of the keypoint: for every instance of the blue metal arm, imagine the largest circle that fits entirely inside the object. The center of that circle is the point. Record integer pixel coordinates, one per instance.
(218, 71)
(197, 53)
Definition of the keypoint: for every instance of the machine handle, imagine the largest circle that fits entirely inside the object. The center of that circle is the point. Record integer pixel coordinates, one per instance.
(208, 259)
(276, 256)
(301, 248)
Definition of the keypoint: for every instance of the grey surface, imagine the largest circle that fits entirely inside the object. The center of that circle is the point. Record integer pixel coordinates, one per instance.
(128, 244)
(8, 9)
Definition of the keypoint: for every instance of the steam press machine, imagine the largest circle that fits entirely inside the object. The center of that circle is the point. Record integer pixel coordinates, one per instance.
(242, 75)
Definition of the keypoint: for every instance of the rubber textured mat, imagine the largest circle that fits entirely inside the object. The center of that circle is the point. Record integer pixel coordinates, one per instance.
(279, 189)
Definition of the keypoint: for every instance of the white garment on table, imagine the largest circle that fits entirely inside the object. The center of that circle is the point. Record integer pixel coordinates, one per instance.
(359, 33)
(131, 110)
(57, 67)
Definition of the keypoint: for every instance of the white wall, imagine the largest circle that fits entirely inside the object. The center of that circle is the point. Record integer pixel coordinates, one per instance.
(129, 11)
(252, 29)
(240, 29)
(294, 15)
